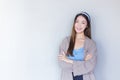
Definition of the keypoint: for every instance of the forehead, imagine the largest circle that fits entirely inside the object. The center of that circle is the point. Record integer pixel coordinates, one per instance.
(81, 18)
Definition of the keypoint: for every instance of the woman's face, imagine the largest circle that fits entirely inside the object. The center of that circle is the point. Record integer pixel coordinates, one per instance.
(80, 24)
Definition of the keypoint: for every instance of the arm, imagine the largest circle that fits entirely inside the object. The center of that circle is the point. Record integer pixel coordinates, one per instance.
(83, 67)
(62, 48)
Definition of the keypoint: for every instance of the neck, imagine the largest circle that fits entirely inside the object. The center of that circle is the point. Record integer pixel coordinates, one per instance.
(80, 36)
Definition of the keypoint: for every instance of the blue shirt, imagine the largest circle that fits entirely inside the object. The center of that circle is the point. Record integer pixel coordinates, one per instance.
(78, 54)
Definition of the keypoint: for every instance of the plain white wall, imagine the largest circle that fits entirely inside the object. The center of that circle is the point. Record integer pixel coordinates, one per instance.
(31, 31)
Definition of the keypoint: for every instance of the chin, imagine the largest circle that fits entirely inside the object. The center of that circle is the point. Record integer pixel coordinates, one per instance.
(78, 32)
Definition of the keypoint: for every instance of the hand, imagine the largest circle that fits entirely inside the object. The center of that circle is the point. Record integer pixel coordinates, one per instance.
(88, 56)
(64, 58)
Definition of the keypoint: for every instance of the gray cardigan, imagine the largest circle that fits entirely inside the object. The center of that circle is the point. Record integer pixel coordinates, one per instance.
(84, 68)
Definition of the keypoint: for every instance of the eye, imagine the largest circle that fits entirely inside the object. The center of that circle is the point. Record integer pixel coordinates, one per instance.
(83, 22)
(76, 21)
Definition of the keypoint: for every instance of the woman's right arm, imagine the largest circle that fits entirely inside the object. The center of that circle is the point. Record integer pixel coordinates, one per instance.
(62, 47)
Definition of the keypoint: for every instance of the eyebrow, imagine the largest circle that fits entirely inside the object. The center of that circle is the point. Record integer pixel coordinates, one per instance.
(82, 21)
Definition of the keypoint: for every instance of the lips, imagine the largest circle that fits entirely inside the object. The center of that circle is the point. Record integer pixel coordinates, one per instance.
(79, 28)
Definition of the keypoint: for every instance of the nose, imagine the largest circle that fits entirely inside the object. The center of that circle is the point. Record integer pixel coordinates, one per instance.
(79, 25)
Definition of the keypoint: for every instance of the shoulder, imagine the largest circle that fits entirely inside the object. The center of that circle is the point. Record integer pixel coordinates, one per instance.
(90, 42)
(64, 43)
(66, 39)
(91, 46)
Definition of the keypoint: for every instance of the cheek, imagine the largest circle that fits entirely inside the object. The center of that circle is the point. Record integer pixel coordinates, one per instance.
(84, 26)
(76, 25)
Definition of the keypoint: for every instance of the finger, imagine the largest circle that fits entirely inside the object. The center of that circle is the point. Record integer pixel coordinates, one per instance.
(60, 55)
(61, 58)
(89, 55)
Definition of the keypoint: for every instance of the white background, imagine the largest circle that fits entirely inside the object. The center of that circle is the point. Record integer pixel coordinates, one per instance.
(31, 31)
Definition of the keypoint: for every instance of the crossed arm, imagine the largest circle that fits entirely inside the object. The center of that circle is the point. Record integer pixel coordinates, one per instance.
(78, 67)
(64, 58)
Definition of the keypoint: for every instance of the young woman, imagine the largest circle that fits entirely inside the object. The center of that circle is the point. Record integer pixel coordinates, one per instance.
(77, 54)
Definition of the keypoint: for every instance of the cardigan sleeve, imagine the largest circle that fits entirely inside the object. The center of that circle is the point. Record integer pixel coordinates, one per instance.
(83, 67)
(62, 47)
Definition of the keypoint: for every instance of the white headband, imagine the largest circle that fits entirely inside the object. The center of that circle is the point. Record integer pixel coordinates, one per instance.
(86, 15)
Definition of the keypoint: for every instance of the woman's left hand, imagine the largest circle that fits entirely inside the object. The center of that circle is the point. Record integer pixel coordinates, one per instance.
(88, 56)
(64, 58)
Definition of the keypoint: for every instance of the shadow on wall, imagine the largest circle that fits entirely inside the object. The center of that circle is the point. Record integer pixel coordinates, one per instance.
(101, 61)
